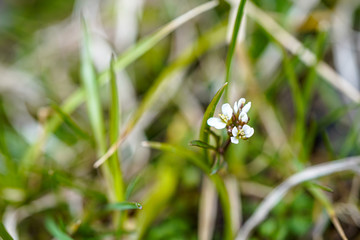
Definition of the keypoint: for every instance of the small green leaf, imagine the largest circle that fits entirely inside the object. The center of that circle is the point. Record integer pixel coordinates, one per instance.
(201, 144)
(325, 188)
(121, 206)
(205, 128)
(3, 233)
(55, 230)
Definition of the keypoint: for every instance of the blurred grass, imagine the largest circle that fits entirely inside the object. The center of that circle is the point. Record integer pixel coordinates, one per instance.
(159, 90)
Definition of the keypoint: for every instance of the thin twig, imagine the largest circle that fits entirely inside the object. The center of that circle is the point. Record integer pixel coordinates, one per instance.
(346, 164)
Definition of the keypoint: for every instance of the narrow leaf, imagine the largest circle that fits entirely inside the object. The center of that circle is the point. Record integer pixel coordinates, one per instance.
(88, 77)
(205, 128)
(230, 54)
(55, 231)
(201, 144)
(71, 123)
(121, 206)
(3, 233)
(325, 188)
(131, 186)
(114, 162)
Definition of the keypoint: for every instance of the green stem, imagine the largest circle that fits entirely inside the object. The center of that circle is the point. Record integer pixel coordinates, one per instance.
(225, 205)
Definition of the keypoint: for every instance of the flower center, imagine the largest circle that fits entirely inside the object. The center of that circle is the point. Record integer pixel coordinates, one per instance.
(224, 118)
(241, 132)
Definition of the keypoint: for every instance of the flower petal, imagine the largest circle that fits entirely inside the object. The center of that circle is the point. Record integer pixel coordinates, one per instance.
(216, 123)
(246, 108)
(227, 110)
(236, 107)
(249, 131)
(234, 140)
(235, 131)
(241, 101)
(243, 117)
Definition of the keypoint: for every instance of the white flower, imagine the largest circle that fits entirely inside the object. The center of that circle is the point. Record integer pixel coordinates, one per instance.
(234, 120)
(243, 117)
(244, 133)
(239, 104)
(248, 131)
(246, 108)
(235, 138)
(224, 118)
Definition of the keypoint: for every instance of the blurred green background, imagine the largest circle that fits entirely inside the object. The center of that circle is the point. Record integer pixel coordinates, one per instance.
(62, 106)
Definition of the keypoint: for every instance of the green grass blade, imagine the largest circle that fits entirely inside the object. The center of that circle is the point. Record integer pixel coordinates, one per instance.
(71, 123)
(231, 50)
(121, 206)
(115, 106)
(75, 99)
(3, 233)
(131, 186)
(95, 113)
(163, 81)
(113, 134)
(293, 82)
(55, 231)
(161, 194)
(218, 182)
(88, 77)
(312, 75)
(297, 100)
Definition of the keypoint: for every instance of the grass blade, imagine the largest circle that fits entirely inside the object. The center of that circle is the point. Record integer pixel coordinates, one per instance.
(161, 84)
(55, 231)
(3, 233)
(75, 99)
(88, 77)
(231, 50)
(121, 206)
(158, 198)
(311, 76)
(71, 123)
(131, 186)
(95, 113)
(218, 182)
(114, 162)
